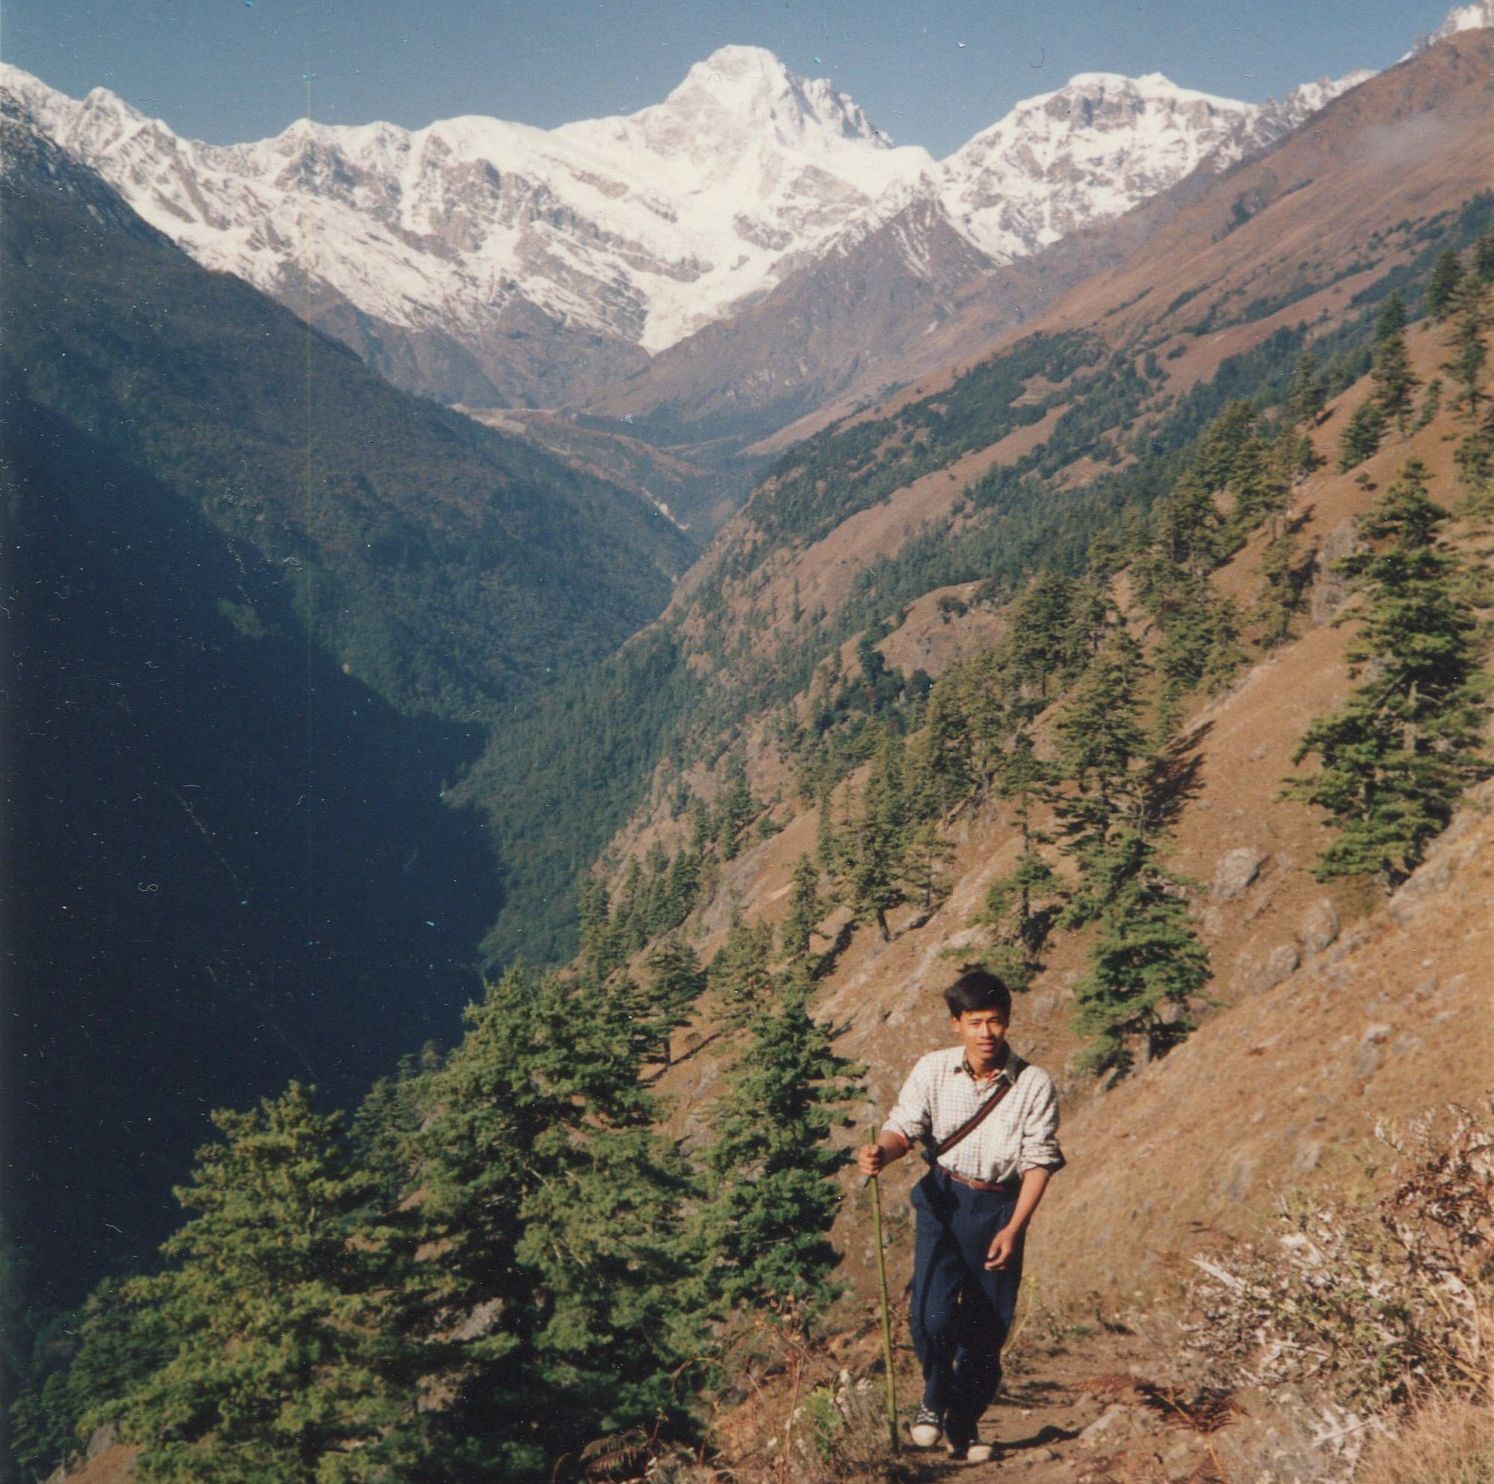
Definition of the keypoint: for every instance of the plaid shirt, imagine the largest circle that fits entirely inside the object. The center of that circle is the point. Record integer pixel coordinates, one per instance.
(1021, 1134)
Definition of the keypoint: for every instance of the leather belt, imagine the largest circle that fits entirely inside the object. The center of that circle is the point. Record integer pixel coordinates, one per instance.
(1006, 1187)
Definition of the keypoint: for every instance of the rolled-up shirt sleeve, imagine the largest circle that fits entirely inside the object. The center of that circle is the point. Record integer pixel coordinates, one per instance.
(1040, 1129)
(911, 1115)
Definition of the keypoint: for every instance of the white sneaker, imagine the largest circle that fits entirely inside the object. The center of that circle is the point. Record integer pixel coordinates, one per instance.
(972, 1452)
(925, 1431)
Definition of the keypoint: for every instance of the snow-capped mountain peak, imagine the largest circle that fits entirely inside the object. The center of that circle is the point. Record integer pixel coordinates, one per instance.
(452, 254)
(1091, 149)
(749, 85)
(1475, 17)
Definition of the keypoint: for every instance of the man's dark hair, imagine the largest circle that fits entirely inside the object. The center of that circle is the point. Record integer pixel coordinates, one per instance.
(978, 989)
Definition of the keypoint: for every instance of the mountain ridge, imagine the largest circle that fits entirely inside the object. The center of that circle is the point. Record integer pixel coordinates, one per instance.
(557, 260)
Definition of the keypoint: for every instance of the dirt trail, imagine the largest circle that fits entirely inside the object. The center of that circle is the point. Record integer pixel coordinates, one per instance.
(1085, 1411)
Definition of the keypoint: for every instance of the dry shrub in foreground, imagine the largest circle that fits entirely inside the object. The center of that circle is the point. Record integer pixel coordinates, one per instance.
(1368, 1310)
(1450, 1440)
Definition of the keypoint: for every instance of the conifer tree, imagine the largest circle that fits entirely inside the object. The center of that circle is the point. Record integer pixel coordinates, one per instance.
(1390, 373)
(989, 705)
(676, 981)
(1474, 458)
(1442, 284)
(739, 974)
(601, 944)
(549, 1222)
(284, 1367)
(1226, 447)
(117, 1342)
(1307, 398)
(875, 848)
(682, 887)
(763, 1232)
(386, 1120)
(1467, 331)
(827, 845)
(1146, 968)
(1187, 539)
(1262, 486)
(1037, 634)
(700, 826)
(940, 757)
(1279, 597)
(1362, 434)
(1199, 639)
(1394, 760)
(1482, 259)
(1295, 458)
(1022, 906)
(805, 911)
(926, 858)
(1099, 742)
(734, 811)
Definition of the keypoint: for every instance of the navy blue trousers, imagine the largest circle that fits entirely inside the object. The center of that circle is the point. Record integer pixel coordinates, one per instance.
(962, 1313)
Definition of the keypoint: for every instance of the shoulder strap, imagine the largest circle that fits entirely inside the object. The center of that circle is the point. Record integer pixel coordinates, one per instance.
(975, 1120)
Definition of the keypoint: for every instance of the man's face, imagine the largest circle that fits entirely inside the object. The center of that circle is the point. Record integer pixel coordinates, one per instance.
(983, 1032)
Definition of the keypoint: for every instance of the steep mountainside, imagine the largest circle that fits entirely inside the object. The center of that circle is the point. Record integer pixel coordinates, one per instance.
(1330, 1007)
(1144, 656)
(259, 608)
(416, 535)
(1018, 459)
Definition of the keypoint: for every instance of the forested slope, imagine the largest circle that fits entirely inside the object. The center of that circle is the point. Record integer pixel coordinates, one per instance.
(260, 609)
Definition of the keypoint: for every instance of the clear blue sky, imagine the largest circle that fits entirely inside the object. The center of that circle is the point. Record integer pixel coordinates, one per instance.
(225, 70)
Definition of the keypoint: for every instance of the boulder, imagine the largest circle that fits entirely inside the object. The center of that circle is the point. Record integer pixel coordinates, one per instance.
(1236, 870)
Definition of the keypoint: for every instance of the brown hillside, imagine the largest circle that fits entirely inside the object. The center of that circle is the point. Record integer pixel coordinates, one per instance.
(1289, 238)
(1334, 1008)
(1335, 195)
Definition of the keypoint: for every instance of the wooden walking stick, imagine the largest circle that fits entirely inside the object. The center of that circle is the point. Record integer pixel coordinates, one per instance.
(876, 1190)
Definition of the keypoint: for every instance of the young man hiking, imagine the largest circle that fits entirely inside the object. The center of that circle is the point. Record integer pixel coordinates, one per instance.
(990, 1124)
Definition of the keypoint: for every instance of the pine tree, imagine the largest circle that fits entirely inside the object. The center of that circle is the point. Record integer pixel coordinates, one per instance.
(284, 1368)
(1395, 759)
(549, 1223)
(1482, 264)
(740, 975)
(940, 759)
(1099, 743)
(875, 848)
(1023, 905)
(805, 911)
(1226, 446)
(763, 1233)
(1262, 487)
(1474, 458)
(601, 943)
(117, 1343)
(1467, 342)
(1442, 284)
(682, 888)
(1279, 597)
(1187, 540)
(734, 811)
(926, 857)
(676, 982)
(1361, 435)
(1146, 968)
(1390, 373)
(1307, 398)
(1036, 635)
(1198, 644)
(827, 844)
(381, 1130)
